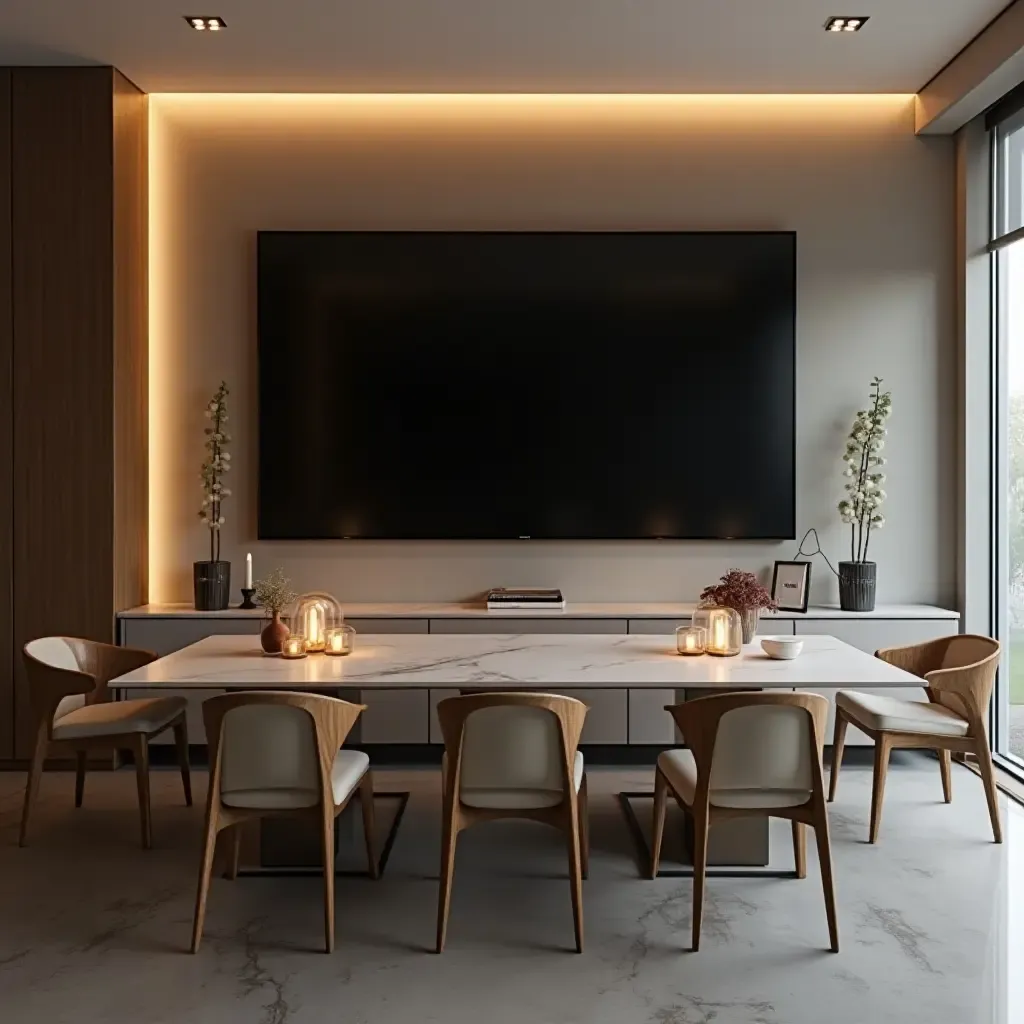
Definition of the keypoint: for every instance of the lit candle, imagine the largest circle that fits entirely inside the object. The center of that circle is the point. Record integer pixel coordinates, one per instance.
(248, 571)
(313, 638)
(293, 647)
(690, 640)
(718, 632)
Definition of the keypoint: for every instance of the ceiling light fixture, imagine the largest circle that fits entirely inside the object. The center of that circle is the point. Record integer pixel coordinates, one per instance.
(846, 23)
(202, 23)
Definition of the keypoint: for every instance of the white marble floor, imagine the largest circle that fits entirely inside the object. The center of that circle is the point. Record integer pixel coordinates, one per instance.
(92, 929)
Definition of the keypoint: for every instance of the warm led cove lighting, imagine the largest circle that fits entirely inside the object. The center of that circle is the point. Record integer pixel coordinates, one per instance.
(846, 23)
(202, 22)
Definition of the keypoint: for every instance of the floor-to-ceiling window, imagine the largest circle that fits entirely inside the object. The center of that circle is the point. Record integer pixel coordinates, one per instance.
(1007, 249)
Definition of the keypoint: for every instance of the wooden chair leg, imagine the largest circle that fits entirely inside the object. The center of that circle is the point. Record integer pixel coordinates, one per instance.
(838, 743)
(827, 880)
(658, 827)
(450, 827)
(945, 770)
(700, 866)
(576, 875)
(234, 837)
(205, 870)
(181, 742)
(883, 746)
(35, 773)
(140, 751)
(369, 823)
(79, 777)
(328, 837)
(800, 849)
(988, 778)
(582, 807)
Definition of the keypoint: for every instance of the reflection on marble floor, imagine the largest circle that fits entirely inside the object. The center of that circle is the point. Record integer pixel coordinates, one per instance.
(92, 929)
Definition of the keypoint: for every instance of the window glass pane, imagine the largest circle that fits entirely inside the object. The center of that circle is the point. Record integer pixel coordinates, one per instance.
(1010, 322)
(1010, 176)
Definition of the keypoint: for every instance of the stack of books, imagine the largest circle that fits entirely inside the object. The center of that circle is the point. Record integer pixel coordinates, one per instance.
(538, 598)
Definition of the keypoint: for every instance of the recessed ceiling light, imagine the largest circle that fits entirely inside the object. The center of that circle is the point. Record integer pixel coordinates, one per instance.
(202, 23)
(846, 23)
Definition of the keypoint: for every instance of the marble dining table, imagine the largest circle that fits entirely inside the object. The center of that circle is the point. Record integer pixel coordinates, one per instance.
(527, 661)
(559, 663)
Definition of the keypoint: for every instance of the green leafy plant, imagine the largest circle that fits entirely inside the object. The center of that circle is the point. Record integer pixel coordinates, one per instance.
(216, 464)
(861, 508)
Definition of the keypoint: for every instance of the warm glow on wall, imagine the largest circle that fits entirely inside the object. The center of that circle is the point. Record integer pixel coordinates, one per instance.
(223, 166)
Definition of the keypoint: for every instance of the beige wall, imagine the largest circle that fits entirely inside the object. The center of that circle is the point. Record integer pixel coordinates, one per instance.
(873, 206)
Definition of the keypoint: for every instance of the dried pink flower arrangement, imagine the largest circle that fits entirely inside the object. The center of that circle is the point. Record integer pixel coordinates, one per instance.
(740, 590)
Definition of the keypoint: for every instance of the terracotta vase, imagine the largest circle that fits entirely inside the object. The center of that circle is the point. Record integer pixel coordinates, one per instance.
(274, 635)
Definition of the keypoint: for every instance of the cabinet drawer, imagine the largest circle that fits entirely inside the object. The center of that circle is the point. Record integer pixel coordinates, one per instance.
(436, 696)
(649, 722)
(606, 721)
(525, 625)
(394, 716)
(388, 625)
(163, 636)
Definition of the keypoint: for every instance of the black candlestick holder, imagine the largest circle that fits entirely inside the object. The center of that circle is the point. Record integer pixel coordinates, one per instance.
(247, 601)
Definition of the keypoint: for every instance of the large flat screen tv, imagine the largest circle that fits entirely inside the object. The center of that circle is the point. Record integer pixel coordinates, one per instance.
(562, 385)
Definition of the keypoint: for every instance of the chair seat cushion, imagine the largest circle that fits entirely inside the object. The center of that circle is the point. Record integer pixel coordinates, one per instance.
(679, 767)
(119, 717)
(348, 769)
(517, 799)
(891, 714)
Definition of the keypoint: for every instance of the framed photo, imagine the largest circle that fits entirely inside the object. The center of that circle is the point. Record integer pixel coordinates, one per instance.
(791, 583)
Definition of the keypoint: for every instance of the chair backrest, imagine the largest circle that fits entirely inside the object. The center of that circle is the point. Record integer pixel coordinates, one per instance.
(755, 749)
(67, 672)
(959, 671)
(275, 742)
(55, 652)
(506, 742)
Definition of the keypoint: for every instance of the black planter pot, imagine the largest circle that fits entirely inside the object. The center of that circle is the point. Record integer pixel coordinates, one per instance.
(211, 582)
(857, 586)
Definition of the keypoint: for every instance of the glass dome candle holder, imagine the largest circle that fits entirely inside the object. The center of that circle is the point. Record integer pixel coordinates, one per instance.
(690, 640)
(339, 640)
(312, 616)
(723, 628)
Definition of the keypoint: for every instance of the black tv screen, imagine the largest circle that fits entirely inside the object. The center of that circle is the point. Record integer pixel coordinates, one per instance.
(563, 385)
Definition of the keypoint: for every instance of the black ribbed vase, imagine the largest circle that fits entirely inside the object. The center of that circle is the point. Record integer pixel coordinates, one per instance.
(211, 582)
(857, 586)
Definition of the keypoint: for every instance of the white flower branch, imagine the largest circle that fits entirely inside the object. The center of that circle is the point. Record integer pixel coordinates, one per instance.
(861, 508)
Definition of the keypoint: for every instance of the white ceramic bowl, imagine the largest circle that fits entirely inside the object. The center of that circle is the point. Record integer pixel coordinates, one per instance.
(783, 648)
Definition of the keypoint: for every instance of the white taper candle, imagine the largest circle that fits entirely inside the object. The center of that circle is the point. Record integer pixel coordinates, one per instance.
(248, 572)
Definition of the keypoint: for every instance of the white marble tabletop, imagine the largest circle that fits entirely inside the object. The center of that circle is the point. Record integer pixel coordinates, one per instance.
(507, 661)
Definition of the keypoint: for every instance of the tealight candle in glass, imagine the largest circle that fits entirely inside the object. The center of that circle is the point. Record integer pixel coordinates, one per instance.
(294, 646)
(690, 640)
(340, 640)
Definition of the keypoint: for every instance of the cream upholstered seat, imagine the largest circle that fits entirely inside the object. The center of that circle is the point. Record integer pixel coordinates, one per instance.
(147, 715)
(751, 754)
(280, 754)
(513, 755)
(957, 673)
(73, 711)
(891, 714)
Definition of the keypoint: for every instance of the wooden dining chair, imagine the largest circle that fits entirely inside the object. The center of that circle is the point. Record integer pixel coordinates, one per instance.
(958, 673)
(74, 714)
(750, 755)
(279, 754)
(513, 755)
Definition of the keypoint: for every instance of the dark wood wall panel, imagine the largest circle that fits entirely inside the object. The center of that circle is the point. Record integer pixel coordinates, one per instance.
(62, 287)
(6, 500)
(131, 344)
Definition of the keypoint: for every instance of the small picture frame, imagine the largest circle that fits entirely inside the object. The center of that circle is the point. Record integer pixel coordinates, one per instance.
(791, 585)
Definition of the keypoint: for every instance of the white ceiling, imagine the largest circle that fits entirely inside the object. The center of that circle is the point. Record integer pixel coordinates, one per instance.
(707, 46)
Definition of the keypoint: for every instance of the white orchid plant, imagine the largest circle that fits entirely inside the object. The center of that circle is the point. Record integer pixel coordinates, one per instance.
(217, 463)
(863, 463)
